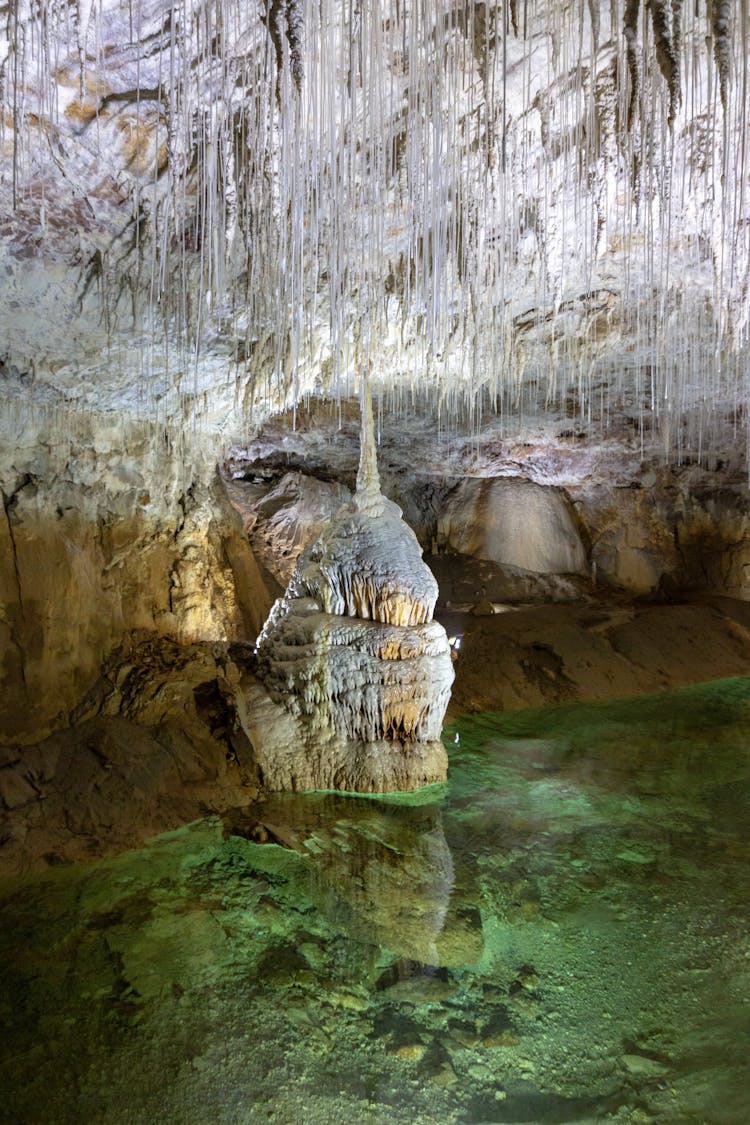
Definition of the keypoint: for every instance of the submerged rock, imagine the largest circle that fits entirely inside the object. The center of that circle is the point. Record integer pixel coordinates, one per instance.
(385, 867)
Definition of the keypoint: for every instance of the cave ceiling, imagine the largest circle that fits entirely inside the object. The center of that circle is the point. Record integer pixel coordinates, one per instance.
(214, 209)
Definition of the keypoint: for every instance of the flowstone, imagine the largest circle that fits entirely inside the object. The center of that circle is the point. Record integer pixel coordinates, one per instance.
(355, 674)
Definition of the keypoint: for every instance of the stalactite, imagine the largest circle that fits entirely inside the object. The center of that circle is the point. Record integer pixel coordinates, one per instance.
(667, 50)
(720, 12)
(595, 18)
(630, 26)
(513, 6)
(425, 191)
(677, 14)
(286, 27)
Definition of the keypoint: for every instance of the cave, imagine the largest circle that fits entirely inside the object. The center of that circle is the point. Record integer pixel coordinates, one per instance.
(290, 289)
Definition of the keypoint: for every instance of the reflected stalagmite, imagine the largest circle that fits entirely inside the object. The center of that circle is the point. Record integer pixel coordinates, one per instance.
(386, 869)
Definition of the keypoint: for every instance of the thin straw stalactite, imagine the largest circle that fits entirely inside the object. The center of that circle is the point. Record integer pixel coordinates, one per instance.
(526, 208)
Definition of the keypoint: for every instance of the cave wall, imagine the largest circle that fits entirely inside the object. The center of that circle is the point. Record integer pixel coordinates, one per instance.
(108, 530)
(550, 511)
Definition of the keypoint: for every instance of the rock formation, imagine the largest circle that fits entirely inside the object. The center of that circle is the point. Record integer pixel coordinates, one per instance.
(356, 673)
(513, 522)
(203, 227)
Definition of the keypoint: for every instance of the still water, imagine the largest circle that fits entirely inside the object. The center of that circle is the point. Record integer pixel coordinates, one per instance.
(559, 934)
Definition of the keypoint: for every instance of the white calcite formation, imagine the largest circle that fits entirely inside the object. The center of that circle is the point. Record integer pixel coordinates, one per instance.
(513, 522)
(356, 674)
(212, 210)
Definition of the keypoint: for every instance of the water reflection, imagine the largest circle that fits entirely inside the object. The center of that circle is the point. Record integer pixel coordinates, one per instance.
(381, 871)
(559, 936)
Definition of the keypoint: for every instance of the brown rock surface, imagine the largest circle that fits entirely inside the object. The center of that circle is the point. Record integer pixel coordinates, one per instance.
(155, 746)
(534, 655)
(76, 577)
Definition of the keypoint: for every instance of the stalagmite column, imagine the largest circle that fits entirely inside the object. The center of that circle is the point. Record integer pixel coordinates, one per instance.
(355, 673)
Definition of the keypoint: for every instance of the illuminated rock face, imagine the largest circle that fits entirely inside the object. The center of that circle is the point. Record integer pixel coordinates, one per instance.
(356, 674)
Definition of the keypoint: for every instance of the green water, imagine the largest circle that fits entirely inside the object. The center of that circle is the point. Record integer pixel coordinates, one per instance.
(560, 934)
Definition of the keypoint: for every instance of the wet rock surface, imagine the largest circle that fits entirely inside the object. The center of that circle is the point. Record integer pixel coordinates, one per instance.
(152, 745)
(282, 520)
(105, 529)
(528, 655)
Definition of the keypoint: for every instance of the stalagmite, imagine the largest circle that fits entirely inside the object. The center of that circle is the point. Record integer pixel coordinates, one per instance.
(355, 673)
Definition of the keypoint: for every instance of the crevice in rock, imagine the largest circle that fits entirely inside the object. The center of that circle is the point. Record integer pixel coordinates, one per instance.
(544, 667)
(9, 503)
(285, 22)
(185, 503)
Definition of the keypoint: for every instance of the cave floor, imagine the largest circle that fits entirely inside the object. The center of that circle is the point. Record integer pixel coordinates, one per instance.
(559, 934)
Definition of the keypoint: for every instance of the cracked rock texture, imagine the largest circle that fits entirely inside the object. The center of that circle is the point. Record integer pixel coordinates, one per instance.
(153, 744)
(282, 521)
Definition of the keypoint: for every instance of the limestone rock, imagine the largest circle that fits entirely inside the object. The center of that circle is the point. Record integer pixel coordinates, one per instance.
(552, 654)
(513, 522)
(672, 530)
(97, 546)
(369, 565)
(285, 519)
(464, 580)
